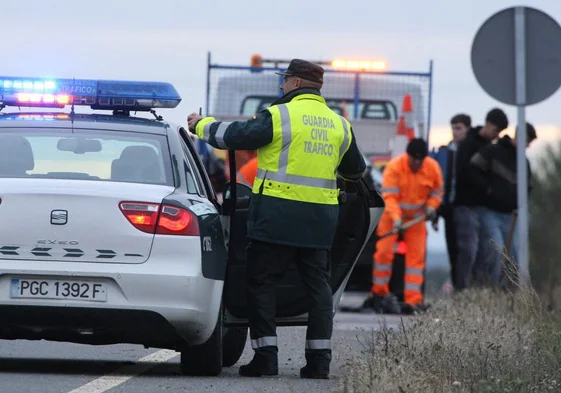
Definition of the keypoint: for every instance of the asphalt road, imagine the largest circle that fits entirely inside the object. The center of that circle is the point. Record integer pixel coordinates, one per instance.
(48, 367)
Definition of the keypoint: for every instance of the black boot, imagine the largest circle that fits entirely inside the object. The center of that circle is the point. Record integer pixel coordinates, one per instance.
(264, 363)
(390, 305)
(317, 364)
(373, 302)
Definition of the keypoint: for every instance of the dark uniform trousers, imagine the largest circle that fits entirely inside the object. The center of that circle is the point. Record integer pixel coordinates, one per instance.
(267, 264)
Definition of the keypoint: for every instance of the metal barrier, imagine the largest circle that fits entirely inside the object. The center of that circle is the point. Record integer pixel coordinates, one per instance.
(370, 100)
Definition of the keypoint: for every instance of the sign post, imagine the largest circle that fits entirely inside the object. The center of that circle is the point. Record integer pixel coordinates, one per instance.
(521, 167)
(516, 59)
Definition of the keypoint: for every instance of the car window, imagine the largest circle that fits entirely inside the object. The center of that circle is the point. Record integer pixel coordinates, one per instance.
(196, 163)
(194, 184)
(85, 155)
(191, 182)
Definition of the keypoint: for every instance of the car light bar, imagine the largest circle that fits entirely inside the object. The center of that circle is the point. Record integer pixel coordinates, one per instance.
(97, 94)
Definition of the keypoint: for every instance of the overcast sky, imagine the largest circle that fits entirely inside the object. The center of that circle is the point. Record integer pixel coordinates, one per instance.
(168, 40)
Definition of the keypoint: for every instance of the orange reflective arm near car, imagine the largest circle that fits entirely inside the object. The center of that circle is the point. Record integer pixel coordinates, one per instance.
(249, 170)
(390, 190)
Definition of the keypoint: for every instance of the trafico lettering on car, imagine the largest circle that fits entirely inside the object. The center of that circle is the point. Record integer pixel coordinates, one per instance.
(207, 243)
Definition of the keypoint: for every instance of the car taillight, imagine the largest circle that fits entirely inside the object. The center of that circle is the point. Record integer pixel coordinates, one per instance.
(160, 219)
(177, 221)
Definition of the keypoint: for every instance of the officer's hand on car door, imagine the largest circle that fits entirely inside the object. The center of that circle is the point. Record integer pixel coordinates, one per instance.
(192, 120)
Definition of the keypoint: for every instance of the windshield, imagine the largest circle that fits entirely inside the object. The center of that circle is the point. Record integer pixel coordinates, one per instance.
(367, 109)
(85, 155)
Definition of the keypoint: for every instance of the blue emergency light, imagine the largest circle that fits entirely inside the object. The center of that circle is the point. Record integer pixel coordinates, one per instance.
(97, 94)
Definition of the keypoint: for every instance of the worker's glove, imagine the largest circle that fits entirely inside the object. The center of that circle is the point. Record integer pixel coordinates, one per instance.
(430, 214)
(398, 225)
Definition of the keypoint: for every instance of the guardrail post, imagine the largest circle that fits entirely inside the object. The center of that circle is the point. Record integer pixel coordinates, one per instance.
(357, 95)
(429, 100)
(208, 65)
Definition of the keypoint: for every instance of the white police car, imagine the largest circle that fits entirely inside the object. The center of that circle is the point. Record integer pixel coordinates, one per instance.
(111, 233)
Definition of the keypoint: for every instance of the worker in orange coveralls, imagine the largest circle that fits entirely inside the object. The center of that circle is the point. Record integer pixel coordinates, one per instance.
(412, 187)
(248, 171)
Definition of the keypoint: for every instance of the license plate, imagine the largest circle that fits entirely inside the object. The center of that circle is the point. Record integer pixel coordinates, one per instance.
(58, 289)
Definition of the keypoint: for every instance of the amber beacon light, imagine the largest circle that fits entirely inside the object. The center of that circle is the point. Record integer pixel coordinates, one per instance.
(359, 65)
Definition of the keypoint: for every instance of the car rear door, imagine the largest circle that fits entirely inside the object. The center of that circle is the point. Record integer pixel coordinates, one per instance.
(360, 211)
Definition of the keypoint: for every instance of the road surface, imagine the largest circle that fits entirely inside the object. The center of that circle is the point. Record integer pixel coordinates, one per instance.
(46, 367)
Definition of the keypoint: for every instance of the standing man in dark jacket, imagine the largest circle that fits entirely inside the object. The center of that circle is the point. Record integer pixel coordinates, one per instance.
(302, 144)
(493, 171)
(460, 123)
(469, 199)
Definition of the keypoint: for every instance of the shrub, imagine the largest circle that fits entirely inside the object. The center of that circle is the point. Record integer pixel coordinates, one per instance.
(476, 341)
(545, 227)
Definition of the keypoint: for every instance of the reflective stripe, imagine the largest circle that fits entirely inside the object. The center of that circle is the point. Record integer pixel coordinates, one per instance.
(393, 190)
(286, 132)
(435, 194)
(345, 140)
(318, 344)
(381, 280)
(383, 268)
(206, 131)
(412, 286)
(264, 342)
(410, 206)
(219, 136)
(297, 180)
(242, 179)
(414, 271)
(408, 117)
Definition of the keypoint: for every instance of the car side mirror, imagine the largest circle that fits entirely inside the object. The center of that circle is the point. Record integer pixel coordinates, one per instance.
(242, 194)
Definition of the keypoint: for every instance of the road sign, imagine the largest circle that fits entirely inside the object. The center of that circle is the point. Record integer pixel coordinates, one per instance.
(494, 51)
(516, 58)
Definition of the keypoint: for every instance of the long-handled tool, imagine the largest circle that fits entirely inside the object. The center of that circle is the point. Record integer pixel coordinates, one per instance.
(404, 226)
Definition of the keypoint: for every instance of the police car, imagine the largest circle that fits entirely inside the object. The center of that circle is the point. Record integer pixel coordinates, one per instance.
(110, 231)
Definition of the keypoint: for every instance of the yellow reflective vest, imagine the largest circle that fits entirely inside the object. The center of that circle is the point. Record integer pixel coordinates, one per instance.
(309, 141)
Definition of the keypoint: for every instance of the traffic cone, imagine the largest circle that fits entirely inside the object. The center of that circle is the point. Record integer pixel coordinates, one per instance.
(401, 138)
(401, 127)
(401, 248)
(407, 113)
(405, 131)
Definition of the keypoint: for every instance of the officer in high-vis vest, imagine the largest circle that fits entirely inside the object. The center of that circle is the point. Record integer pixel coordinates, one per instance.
(302, 145)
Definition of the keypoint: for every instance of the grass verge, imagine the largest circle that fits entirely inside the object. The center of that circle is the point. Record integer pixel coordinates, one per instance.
(476, 341)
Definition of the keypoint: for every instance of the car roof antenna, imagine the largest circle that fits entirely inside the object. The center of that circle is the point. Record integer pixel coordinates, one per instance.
(158, 117)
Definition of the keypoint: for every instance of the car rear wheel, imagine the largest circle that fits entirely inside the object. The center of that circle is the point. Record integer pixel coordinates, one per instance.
(233, 345)
(205, 359)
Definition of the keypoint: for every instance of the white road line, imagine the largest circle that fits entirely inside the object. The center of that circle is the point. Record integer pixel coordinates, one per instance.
(123, 374)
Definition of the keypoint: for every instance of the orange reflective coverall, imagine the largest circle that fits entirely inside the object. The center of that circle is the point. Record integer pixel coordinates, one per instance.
(242, 157)
(407, 195)
(247, 172)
